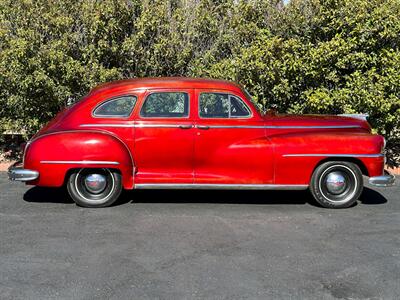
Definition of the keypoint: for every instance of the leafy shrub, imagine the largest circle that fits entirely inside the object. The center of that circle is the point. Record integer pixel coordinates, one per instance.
(309, 56)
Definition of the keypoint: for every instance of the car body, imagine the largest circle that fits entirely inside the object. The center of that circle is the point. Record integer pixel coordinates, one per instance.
(194, 133)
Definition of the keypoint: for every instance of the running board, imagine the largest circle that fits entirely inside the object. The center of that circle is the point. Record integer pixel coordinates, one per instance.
(194, 186)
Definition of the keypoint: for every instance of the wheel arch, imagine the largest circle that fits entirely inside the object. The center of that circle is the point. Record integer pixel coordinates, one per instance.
(354, 160)
(72, 170)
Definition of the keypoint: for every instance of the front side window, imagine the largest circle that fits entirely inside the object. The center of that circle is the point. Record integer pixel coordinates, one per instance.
(117, 107)
(166, 104)
(220, 105)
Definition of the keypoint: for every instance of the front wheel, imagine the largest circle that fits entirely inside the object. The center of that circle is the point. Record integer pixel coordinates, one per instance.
(94, 187)
(336, 184)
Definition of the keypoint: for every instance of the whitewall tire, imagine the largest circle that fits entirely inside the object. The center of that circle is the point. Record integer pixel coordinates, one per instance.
(94, 187)
(336, 184)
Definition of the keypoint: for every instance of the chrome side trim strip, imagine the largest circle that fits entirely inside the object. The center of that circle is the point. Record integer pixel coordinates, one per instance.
(284, 127)
(132, 125)
(314, 127)
(158, 125)
(80, 162)
(107, 125)
(222, 126)
(207, 186)
(333, 154)
(234, 126)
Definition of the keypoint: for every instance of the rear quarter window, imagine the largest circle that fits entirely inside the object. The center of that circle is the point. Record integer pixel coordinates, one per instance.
(117, 107)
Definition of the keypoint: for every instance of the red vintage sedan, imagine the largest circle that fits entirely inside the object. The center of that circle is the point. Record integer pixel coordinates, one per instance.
(182, 133)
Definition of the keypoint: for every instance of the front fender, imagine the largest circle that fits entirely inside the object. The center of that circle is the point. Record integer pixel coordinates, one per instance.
(298, 154)
(54, 154)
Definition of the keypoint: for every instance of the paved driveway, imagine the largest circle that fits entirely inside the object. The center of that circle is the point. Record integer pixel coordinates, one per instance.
(198, 244)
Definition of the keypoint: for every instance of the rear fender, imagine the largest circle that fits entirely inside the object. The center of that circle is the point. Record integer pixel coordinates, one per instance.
(54, 154)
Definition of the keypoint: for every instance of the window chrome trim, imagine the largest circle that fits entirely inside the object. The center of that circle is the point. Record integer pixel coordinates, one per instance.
(332, 154)
(94, 115)
(229, 98)
(207, 186)
(166, 92)
(80, 162)
(249, 111)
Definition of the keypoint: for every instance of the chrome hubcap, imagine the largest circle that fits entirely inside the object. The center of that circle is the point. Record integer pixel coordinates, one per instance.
(335, 183)
(95, 183)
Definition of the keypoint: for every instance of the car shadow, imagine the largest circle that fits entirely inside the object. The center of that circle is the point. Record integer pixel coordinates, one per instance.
(259, 197)
(372, 197)
(47, 195)
(217, 196)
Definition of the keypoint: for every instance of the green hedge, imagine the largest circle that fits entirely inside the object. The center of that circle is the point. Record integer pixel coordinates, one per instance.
(309, 56)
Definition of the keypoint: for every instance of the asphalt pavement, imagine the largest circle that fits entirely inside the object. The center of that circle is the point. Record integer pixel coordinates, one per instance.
(197, 245)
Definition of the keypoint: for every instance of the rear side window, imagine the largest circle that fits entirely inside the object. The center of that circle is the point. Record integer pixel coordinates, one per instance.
(220, 105)
(116, 107)
(166, 104)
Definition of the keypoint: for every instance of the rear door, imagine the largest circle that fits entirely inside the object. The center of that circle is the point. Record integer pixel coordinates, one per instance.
(164, 137)
(231, 146)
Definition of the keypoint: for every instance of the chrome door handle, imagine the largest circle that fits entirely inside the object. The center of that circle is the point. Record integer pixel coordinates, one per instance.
(185, 126)
(203, 127)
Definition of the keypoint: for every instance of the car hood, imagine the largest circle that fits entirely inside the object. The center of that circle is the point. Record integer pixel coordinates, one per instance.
(316, 120)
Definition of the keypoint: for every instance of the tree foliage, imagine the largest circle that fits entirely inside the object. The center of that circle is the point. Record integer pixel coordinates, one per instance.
(309, 56)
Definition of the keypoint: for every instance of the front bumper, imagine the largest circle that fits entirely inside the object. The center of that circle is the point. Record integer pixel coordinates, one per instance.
(384, 180)
(18, 173)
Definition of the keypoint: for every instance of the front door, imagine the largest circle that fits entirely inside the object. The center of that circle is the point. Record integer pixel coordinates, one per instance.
(231, 146)
(164, 137)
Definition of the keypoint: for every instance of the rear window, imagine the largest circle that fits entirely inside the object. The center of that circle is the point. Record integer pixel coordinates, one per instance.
(116, 107)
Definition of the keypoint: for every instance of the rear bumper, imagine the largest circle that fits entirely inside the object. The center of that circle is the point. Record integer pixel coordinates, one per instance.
(18, 173)
(384, 180)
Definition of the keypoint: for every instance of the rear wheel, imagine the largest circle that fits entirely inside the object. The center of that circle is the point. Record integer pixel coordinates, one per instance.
(336, 184)
(94, 187)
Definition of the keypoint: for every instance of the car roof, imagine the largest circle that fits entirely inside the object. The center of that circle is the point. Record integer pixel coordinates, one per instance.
(167, 82)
